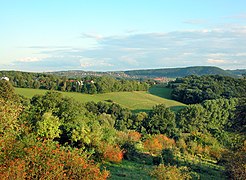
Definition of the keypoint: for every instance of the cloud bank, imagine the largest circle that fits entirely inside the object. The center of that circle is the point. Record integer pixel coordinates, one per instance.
(224, 48)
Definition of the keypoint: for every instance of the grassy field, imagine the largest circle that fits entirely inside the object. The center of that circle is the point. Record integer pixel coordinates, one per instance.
(136, 101)
(142, 165)
(129, 170)
(161, 91)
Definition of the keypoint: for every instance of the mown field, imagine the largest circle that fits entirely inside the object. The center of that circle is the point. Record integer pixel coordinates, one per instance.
(136, 101)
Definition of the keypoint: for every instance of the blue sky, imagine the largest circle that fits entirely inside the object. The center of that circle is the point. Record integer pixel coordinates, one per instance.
(102, 35)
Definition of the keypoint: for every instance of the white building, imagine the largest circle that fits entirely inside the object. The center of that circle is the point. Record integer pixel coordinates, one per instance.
(5, 78)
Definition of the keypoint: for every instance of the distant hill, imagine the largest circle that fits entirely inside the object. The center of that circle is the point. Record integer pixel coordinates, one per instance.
(153, 73)
(237, 72)
(179, 72)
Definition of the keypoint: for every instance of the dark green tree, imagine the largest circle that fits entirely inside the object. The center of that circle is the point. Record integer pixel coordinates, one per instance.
(191, 118)
(239, 120)
(92, 88)
(161, 121)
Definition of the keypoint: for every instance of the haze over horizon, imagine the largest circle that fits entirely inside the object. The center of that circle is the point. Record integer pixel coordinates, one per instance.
(111, 35)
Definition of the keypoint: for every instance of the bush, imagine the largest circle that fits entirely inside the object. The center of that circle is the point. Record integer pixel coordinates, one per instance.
(9, 113)
(168, 157)
(111, 153)
(130, 137)
(181, 144)
(153, 145)
(202, 144)
(130, 141)
(163, 172)
(166, 142)
(156, 143)
(46, 161)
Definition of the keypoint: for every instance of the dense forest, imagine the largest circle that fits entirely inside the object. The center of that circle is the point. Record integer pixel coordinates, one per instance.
(88, 84)
(195, 89)
(55, 137)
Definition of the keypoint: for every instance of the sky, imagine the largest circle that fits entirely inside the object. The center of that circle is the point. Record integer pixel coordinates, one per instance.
(107, 35)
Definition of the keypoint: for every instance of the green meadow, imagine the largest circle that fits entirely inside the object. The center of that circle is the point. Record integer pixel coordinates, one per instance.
(135, 101)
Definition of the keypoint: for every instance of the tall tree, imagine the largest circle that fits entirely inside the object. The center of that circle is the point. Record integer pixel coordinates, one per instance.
(191, 118)
(161, 121)
(7, 91)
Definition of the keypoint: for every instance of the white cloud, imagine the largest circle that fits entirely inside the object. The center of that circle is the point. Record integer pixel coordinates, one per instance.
(237, 16)
(28, 59)
(192, 47)
(86, 64)
(216, 55)
(240, 54)
(92, 36)
(129, 60)
(91, 62)
(49, 47)
(216, 61)
(187, 53)
(221, 47)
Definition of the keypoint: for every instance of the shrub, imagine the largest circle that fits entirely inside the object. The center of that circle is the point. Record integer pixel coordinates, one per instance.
(203, 144)
(134, 136)
(9, 113)
(153, 146)
(181, 144)
(48, 127)
(111, 153)
(166, 142)
(215, 152)
(46, 161)
(156, 143)
(109, 100)
(130, 142)
(192, 147)
(168, 157)
(163, 172)
(131, 137)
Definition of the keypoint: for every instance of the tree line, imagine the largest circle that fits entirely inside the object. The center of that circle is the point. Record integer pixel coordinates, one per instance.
(196, 89)
(88, 85)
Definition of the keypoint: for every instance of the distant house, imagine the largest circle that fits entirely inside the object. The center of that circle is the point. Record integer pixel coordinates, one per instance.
(90, 81)
(162, 79)
(80, 83)
(5, 78)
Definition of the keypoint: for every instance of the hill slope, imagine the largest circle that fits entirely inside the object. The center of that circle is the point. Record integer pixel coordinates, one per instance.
(147, 73)
(179, 72)
(152, 73)
(237, 72)
(136, 100)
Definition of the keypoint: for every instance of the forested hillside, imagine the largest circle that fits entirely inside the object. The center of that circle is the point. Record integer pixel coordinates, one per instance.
(195, 89)
(51, 136)
(143, 73)
(238, 72)
(153, 73)
(179, 72)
